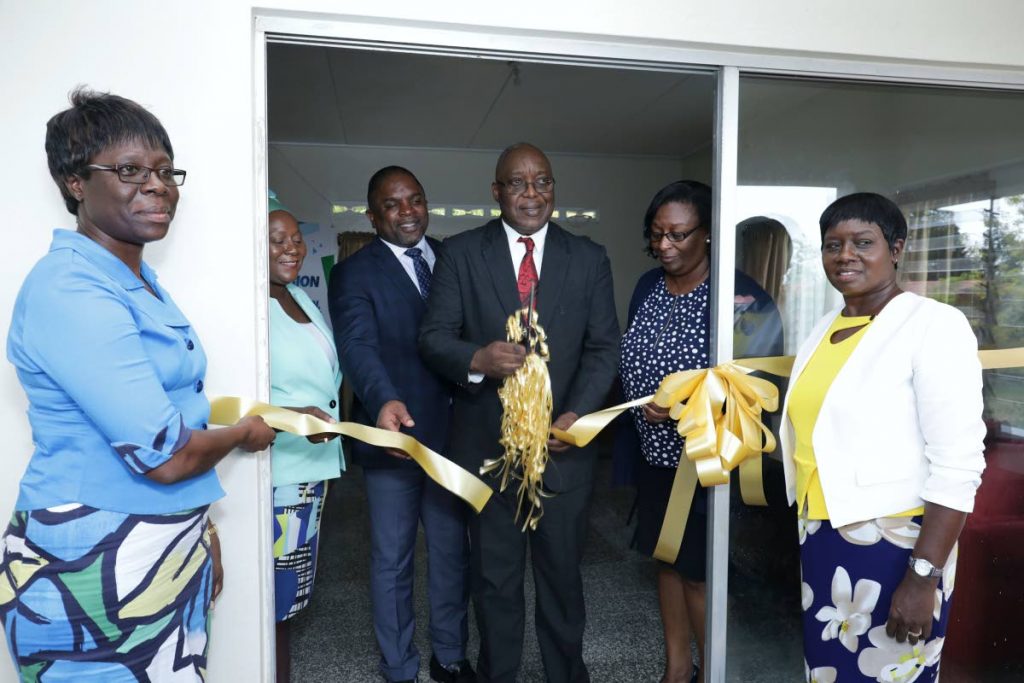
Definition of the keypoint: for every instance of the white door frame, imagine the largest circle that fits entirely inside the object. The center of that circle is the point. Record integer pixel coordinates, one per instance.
(559, 47)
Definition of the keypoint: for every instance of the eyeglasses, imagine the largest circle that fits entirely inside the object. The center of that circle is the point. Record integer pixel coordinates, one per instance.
(673, 237)
(516, 186)
(139, 175)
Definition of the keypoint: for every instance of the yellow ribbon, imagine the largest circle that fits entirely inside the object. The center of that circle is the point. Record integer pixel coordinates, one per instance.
(227, 410)
(997, 359)
(719, 414)
(719, 411)
(583, 431)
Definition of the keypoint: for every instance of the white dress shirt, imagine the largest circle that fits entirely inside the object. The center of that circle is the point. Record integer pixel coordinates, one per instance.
(407, 262)
(518, 249)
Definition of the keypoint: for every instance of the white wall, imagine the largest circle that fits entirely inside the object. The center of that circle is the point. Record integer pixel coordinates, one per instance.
(201, 91)
(194, 70)
(618, 187)
(983, 32)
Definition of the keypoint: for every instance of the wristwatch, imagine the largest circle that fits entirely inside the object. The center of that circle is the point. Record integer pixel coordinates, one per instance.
(924, 568)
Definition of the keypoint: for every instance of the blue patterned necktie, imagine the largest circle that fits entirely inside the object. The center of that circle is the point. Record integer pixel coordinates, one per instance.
(422, 270)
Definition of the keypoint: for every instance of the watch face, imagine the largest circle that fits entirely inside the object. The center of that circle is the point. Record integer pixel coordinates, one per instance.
(922, 567)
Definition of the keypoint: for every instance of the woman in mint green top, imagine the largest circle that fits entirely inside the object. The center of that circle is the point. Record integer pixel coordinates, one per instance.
(304, 376)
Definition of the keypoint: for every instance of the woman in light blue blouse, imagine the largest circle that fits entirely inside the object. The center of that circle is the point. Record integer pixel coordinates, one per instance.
(304, 376)
(110, 563)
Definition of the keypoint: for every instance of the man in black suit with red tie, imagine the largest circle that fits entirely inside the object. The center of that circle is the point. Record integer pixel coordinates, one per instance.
(482, 276)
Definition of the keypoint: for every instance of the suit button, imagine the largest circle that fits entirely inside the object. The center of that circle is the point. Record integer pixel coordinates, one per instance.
(189, 345)
(334, 404)
(199, 386)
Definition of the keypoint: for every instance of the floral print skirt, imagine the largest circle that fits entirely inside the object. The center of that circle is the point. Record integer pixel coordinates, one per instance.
(89, 594)
(848, 577)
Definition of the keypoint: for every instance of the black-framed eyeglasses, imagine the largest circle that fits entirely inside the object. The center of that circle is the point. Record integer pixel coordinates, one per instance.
(137, 174)
(673, 237)
(543, 185)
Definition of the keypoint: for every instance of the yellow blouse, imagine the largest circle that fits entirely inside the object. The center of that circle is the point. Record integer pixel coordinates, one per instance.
(805, 401)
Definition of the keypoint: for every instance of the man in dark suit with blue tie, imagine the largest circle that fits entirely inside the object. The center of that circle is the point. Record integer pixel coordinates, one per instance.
(482, 277)
(377, 299)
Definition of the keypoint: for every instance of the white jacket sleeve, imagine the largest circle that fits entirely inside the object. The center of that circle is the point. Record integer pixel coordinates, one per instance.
(947, 387)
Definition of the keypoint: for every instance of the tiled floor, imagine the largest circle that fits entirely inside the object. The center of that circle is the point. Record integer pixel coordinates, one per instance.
(333, 639)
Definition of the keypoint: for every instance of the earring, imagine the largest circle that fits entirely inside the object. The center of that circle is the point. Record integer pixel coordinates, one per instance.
(707, 240)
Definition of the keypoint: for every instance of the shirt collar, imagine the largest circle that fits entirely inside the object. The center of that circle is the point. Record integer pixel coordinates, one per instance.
(102, 259)
(400, 251)
(537, 237)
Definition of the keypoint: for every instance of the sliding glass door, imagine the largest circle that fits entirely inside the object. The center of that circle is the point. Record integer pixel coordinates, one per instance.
(953, 160)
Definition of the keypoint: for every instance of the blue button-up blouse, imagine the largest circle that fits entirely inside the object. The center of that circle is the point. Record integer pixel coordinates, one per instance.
(114, 379)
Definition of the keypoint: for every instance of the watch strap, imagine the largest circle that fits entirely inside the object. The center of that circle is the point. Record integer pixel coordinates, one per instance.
(933, 571)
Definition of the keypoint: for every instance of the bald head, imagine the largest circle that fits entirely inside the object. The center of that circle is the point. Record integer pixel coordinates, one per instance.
(512, 149)
(524, 187)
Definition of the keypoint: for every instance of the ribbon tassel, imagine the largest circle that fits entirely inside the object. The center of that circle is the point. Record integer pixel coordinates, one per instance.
(526, 403)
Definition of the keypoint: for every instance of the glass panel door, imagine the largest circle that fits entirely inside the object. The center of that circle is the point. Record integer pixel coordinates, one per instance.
(953, 161)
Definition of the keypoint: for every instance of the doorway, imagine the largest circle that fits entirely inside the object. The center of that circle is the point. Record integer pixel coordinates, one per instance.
(759, 121)
(614, 136)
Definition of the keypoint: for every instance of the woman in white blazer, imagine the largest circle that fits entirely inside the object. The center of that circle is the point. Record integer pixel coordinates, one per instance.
(882, 448)
(304, 376)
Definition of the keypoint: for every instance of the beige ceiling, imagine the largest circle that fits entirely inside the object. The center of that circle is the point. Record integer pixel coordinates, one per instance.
(340, 96)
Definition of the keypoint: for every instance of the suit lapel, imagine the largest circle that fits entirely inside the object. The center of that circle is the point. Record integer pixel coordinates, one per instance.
(499, 265)
(553, 270)
(394, 271)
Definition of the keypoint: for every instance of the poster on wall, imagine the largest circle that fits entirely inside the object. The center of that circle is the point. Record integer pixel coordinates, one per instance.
(320, 254)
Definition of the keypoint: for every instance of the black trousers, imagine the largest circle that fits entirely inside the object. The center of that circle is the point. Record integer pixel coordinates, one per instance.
(498, 565)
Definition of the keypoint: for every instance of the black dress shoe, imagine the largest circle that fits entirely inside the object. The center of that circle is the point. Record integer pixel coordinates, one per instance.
(459, 672)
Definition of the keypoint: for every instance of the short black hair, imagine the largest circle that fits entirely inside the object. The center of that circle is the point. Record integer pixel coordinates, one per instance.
(691, 192)
(378, 178)
(95, 122)
(870, 208)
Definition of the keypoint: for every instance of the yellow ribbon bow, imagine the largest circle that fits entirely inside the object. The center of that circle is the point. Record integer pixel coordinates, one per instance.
(719, 414)
(227, 410)
(718, 411)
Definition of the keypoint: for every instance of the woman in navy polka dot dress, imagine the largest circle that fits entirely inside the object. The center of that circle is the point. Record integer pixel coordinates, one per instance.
(668, 331)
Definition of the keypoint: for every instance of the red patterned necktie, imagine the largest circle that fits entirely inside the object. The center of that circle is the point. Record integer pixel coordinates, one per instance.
(527, 274)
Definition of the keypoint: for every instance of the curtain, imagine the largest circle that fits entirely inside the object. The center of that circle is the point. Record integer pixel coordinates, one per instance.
(351, 241)
(763, 251)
